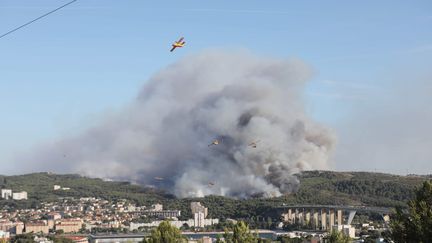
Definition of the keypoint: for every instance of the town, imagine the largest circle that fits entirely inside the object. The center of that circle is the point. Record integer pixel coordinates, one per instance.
(90, 219)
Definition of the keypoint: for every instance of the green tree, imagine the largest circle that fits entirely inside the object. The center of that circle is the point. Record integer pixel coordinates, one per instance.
(337, 237)
(414, 224)
(165, 233)
(218, 239)
(185, 226)
(241, 234)
(83, 229)
(61, 240)
(24, 238)
(269, 223)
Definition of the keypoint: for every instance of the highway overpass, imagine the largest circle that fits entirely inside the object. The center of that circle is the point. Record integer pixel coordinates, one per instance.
(323, 217)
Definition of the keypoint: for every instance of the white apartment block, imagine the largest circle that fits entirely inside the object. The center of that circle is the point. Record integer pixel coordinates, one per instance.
(6, 193)
(19, 195)
(199, 220)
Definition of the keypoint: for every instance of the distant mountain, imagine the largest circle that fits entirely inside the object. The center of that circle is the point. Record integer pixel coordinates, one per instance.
(316, 187)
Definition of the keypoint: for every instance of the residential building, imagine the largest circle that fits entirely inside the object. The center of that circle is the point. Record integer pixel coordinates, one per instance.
(19, 228)
(51, 223)
(175, 223)
(157, 207)
(197, 207)
(19, 195)
(69, 225)
(12, 227)
(345, 229)
(116, 238)
(6, 225)
(6, 193)
(165, 213)
(37, 227)
(199, 220)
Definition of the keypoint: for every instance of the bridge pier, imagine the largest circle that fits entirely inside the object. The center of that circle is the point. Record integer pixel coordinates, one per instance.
(351, 215)
(331, 219)
(300, 217)
(386, 219)
(315, 222)
(308, 217)
(339, 217)
(323, 219)
(291, 216)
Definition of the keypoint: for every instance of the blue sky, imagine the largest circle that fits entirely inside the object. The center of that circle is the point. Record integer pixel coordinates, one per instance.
(90, 58)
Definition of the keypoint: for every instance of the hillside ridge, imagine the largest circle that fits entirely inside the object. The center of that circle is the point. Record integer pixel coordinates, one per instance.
(316, 187)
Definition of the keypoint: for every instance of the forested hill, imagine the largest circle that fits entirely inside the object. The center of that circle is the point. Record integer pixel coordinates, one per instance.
(317, 187)
(357, 188)
(40, 187)
(324, 188)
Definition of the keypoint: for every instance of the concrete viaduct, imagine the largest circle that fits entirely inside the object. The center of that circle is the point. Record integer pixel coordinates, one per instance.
(323, 217)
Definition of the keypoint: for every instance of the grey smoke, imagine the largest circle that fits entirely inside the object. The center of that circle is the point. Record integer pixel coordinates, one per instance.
(234, 97)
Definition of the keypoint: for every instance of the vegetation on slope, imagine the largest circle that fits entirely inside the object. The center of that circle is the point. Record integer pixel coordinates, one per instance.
(40, 187)
(317, 187)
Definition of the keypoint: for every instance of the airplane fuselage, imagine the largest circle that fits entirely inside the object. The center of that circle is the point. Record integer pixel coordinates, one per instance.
(178, 44)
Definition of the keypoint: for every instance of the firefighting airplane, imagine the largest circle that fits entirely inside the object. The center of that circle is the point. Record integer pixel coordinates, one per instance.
(215, 142)
(179, 43)
(254, 144)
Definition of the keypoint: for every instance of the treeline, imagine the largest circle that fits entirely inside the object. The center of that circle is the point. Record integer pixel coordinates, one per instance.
(317, 187)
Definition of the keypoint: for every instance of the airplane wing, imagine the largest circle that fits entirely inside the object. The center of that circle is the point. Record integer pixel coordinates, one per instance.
(180, 40)
(172, 49)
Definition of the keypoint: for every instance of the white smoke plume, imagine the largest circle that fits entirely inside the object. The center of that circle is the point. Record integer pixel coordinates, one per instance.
(236, 98)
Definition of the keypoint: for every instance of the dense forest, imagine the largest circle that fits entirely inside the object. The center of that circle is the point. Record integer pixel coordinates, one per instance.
(316, 187)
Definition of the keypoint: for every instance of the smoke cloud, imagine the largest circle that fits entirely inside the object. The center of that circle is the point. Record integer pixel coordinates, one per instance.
(234, 97)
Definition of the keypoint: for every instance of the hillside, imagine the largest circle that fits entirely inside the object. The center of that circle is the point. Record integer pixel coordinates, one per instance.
(356, 188)
(317, 187)
(321, 187)
(40, 187)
